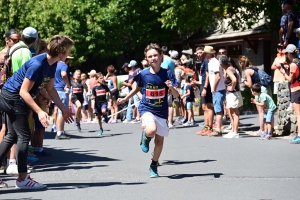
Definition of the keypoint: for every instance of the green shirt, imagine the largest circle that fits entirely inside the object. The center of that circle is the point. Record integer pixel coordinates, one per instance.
(20, 56)
(269, 103)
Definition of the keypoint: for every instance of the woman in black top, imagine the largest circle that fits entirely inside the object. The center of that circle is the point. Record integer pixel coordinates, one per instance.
(233, 95)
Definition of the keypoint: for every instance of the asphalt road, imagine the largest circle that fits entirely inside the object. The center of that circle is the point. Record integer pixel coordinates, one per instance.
(193, 166)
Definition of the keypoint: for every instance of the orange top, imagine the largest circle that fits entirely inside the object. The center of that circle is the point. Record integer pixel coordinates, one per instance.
(278, 76)
(296, 85)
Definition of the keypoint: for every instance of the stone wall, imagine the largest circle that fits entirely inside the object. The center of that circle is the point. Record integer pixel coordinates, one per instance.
(287, 121)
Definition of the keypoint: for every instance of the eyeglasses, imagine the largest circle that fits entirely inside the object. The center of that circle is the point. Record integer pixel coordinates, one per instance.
(221, 52)
(14, 40)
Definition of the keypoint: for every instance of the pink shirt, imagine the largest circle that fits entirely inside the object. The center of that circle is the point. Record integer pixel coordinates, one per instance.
(278, 76)
(296, 85)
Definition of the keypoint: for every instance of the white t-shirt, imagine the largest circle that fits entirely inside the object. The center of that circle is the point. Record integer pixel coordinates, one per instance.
(213, 67)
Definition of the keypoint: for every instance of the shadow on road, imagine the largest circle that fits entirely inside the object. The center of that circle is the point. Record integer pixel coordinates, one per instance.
(176, 162)
(181, 176)
(49, 135)
(70, 186)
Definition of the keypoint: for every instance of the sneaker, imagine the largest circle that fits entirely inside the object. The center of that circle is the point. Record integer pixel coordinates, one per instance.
(78, 127)
(126, 121)
(63, 136)
(258, 133)
(215, 134)
(42, 154)
(262, 137)
(179, 119)
(110, 120)
(135, 121)
(28, 183)
(114, 121)
(183, 121)
(54, 129)
(295, 140)
(3, 184)
(188, 124)
(153, 171)
(170, 125)
(231, 135)
(88, 121)
(12, 170)
(202, 131)
(228, 128)
(207, 132)
(202, 124)
(268, 137)
(145, 142)
(100, 132)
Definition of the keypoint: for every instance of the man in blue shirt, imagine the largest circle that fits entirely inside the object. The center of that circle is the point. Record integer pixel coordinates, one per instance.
(62, 85)
(168, 62)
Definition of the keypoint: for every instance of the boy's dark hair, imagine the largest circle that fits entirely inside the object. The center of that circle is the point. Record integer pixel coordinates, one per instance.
(256, 88)
(200, 48)
(164, 50)
(11, 32)
(28, 40)
(188, 78)
(153, 46)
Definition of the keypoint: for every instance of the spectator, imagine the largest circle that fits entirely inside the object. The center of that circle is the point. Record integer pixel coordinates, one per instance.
(291, 23)
(280, 59)
(113, 86)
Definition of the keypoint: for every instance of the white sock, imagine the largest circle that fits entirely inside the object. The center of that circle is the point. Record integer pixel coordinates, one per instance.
(12, 162)
(59, 133)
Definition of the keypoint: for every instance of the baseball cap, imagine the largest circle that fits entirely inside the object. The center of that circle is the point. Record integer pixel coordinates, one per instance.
(289, 49)
(290, 2)
(125, 65)
(132, 63)
(92, 72)
(30, 32)
(174, 53)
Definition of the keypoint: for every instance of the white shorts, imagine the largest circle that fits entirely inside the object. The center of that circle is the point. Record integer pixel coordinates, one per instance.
(162, 128)
(234, 99)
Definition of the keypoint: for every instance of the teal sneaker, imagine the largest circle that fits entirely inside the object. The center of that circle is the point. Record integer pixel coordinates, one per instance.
(100, 132)
(153, 171)
(145, 142)
(295, 140)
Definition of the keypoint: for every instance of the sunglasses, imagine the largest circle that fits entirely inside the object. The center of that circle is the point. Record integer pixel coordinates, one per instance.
(221, 52)
(14, 40)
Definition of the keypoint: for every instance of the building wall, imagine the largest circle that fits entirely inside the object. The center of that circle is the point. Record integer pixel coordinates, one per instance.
(255, 59)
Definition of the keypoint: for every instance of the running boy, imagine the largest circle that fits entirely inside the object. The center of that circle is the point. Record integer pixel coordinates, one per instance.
(99, 102)
(156, 82)
(77, 96)
(264, 100)
(189, 98)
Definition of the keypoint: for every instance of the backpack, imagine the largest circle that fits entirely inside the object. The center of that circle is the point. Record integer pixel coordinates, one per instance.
(264, 78)
(297, 62)
(6, 66)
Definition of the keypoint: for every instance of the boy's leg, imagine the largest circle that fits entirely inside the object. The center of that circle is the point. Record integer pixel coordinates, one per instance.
(158, 146)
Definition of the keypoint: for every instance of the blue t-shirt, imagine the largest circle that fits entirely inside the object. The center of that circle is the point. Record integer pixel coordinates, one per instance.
(37, 69)
(168, 64)
(191, 97)
(203, 70)
(155, 96)
(59, 83)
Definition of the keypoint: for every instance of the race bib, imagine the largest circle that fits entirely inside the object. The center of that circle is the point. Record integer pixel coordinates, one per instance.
(77, 90)
(100, 92)
(155, 93)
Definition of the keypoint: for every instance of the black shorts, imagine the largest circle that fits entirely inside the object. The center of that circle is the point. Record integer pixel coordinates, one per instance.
(115, 95)
(295, 97)
(75, 98)
(208, 98)
(52, 105)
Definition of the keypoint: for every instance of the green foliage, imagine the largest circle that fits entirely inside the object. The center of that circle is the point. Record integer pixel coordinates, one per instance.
(99, 28)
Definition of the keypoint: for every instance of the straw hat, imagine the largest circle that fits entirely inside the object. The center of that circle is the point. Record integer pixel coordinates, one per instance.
(209, 49)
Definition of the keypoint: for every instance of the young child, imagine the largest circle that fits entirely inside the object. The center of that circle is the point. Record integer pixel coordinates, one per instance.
(189, 97)
(77, 87)
(155, 81)
(264, 100)
(99, 102)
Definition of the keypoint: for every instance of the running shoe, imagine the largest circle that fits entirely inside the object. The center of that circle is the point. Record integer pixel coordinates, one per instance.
(28, 183)
(153, 171)
(262, 136)
(12, 169)
(202, 124)
(126, 121)
(295, 140)
(258, 133)
(114, 121)
(135, 121)
(170, 125)
(231, 135)
(54, 129)
(63, 136)
(179, 119)
(42, 154)
(3, 184)
(268, 137)
(183, 121)
(145, 142)
(110, 120)
(188, 124)
(202, 131)
(78, 127)
(100, 132)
